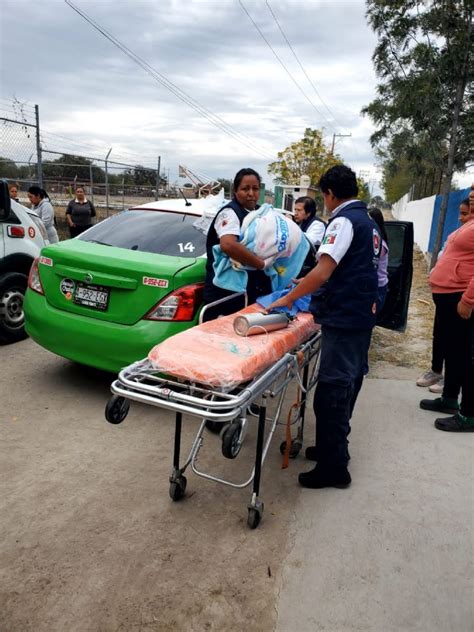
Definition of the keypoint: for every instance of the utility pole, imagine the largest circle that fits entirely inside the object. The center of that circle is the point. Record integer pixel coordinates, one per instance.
(334, 136)
(107, 182)
(158, 167)
(39, 155)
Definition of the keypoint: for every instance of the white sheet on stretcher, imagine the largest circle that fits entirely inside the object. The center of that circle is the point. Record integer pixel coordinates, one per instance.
(212, 354)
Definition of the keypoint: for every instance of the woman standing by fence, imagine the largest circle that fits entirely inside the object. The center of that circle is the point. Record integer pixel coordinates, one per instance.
(41, 205)
(79, 213)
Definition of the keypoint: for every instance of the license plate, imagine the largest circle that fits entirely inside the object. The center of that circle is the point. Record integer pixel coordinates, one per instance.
(94, 296)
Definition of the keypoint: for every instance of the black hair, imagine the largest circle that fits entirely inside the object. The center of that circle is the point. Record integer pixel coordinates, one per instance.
(341, 180)
(465, 202)
(36, 190)
(80, 186)
(376, 214)
(240, 175)
(309, 205)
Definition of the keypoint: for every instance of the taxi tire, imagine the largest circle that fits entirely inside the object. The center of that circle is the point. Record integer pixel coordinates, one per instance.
(11, 285)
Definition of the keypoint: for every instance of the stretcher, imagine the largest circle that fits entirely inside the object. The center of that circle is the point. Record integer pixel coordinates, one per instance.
(210, 373)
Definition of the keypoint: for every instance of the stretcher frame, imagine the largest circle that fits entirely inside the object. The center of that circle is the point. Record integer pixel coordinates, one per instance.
(143, 383)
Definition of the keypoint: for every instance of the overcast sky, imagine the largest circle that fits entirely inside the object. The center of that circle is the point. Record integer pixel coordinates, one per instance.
(95, 97)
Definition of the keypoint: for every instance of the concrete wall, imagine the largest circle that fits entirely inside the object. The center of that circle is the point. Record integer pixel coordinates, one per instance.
(424, 214)
(420, 212)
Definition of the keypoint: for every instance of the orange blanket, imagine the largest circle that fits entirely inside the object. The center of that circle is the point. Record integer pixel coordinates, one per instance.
(214, 355)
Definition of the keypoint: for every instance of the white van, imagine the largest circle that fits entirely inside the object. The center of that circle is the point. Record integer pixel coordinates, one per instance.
(22, 235)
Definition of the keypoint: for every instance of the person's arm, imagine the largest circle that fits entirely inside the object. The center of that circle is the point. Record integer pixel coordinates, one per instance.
(466, 304)
(93, 213)
(47, 214)
(69, 215)
(315, 232)
(240, 253)
(308, 284)
(335, 244)
(227, 227)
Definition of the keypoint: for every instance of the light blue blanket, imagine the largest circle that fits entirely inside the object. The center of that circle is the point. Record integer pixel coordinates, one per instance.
(300, 305)
(271, 236)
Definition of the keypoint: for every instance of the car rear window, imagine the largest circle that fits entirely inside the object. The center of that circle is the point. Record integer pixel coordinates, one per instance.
(158, 232)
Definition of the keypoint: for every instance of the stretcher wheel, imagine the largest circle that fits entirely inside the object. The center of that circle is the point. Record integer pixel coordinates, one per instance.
(177, 488)
(254, 517)
(116, 409)
(295, 448)
(231, 443)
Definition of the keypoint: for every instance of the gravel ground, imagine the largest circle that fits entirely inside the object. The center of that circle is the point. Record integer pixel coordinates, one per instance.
(405, 355)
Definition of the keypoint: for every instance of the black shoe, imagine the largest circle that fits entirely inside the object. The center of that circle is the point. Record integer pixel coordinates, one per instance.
(440, 405)
(311, 453)
(457, 423)
(215, 426)
(325, 477)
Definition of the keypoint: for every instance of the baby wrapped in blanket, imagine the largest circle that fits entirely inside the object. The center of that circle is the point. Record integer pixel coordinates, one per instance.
(271, 236)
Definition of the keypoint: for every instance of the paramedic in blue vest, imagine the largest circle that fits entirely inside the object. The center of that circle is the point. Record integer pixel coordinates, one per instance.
(306, 218)
(225, 231)
(344, 288)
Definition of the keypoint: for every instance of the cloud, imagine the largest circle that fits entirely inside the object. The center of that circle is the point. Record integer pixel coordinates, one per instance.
(89, 91)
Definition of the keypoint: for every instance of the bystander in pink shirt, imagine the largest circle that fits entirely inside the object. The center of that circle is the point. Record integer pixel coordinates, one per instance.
(454, 271)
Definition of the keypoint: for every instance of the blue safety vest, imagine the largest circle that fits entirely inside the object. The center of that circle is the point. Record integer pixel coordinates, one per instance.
(348, 299)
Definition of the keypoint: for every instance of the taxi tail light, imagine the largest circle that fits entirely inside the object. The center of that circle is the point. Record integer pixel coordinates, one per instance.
(34, 281)
(181, 305)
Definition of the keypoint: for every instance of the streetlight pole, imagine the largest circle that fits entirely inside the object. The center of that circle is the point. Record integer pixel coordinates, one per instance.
(107, 182)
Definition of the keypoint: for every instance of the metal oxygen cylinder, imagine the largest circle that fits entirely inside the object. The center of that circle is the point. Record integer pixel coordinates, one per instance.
(252, 324)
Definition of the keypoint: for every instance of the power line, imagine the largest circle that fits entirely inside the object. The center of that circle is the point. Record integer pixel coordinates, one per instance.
(214, 119)
(282, 64)
(300, 64)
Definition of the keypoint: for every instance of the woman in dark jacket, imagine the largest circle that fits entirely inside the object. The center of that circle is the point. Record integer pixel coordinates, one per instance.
(79, 213)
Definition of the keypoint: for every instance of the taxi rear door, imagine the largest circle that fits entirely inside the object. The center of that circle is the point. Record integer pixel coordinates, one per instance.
(400, 271)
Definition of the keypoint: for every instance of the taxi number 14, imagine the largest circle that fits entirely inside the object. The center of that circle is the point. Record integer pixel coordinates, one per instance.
(187, 247)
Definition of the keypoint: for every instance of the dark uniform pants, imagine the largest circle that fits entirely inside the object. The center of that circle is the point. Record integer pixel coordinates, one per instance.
(344, 361)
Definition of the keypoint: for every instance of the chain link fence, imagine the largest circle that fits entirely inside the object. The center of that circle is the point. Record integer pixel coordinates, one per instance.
(26, 159)
(20, 149)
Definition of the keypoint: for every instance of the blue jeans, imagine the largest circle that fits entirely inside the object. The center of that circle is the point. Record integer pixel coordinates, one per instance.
(344, 356)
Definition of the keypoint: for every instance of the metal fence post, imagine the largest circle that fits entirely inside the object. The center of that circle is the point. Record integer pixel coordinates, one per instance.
(107, 182)
(91, 179)
(158, 167)
(39, 157)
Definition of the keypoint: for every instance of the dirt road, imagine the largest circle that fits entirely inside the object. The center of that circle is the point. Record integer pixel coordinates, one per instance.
(90, 539)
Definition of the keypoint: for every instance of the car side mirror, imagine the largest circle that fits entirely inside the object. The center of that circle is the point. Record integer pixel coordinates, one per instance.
(5, 204)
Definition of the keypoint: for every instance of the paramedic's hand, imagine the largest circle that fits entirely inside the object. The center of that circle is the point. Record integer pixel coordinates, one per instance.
(464, 310)
(282, 302)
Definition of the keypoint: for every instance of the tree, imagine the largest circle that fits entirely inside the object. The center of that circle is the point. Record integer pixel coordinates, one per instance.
(8, 168)
(308, 156)
(140, 176)
(424, 105)
(70, 167)
(226, 185)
